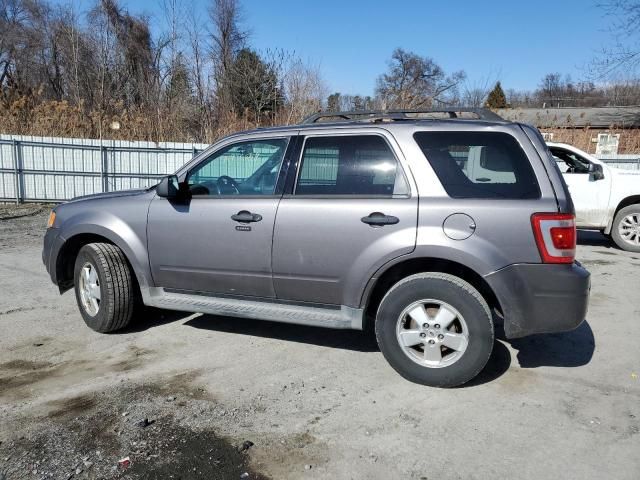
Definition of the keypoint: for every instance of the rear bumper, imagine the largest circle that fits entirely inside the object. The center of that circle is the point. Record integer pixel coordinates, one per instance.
(541, 298)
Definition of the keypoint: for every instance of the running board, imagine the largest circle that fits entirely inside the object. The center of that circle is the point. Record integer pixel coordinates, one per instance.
(342, 318)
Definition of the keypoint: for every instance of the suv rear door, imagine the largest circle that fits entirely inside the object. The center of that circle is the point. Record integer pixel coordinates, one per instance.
(348, 210)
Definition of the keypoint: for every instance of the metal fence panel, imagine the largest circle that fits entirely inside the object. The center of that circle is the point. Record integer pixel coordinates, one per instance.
(7, 185)
(55, 169)
(624, 161)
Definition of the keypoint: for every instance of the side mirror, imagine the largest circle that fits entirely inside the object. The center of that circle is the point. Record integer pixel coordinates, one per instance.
(595, 172)
(168, 188)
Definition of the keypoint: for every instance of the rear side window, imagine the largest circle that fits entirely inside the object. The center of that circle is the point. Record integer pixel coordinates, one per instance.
(479, 164)
(349, 165)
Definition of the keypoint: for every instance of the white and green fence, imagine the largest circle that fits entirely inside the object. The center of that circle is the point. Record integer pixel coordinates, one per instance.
(49, 169)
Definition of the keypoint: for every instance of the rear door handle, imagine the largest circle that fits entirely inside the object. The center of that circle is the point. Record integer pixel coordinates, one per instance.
(245, 216)
(378, 219)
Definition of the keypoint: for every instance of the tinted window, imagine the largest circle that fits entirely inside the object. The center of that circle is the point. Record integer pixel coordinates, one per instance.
(348, 165)
(479, 164)
(247, 168)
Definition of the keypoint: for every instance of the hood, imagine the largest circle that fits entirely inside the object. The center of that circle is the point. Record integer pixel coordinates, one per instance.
(119, 193)
(626, 183)
(626, 172)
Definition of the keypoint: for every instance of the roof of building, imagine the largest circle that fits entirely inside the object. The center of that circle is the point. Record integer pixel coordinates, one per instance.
(575, 117)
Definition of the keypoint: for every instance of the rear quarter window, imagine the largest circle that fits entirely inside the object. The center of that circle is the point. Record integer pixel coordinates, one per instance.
(479, 164)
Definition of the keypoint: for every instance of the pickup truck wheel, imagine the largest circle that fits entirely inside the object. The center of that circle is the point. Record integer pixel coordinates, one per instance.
(435, 329)
(104, 287)
(626, 228)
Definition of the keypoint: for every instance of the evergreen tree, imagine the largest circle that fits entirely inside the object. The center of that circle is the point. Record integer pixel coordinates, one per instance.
(253, 85)
(496, 98)
(333, 102)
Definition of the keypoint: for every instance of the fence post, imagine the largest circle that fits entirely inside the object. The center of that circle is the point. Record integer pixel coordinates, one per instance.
(104, 170)
(17, 167)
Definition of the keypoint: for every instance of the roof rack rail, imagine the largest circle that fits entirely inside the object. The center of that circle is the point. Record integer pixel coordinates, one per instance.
(380, 115)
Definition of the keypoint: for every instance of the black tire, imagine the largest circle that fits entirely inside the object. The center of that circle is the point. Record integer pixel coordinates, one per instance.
(615, 233)
(460, 295)
(116, 283)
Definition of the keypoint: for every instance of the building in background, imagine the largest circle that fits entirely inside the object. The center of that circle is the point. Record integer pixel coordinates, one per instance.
(598, 130)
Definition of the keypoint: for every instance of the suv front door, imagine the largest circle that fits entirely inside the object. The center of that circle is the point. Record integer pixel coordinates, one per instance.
(219, 241)
(349, 211)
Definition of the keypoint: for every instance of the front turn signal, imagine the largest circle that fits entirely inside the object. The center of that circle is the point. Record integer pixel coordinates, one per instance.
(52, 219)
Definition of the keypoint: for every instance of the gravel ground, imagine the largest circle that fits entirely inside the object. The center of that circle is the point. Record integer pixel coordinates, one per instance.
(193, 396)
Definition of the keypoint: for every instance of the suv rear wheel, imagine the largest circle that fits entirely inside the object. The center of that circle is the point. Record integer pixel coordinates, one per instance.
(104, 286)
(626, 228)
(435, 329)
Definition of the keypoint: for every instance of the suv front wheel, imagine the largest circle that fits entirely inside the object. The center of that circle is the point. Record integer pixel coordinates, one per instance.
(435, 329)
(104, 286)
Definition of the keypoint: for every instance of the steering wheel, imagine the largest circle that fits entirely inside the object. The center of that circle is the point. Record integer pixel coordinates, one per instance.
(227, 185)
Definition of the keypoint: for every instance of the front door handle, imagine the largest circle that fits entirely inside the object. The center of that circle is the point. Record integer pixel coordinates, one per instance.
(245, 216)
(378, 219)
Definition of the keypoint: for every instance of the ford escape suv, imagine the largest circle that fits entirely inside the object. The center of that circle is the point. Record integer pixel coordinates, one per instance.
(349, 220)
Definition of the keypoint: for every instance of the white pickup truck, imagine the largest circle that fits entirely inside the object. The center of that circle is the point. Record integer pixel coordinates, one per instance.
(605, 198)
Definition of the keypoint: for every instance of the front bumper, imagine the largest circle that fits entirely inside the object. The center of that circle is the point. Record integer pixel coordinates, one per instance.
(52, 244)
(541, 298)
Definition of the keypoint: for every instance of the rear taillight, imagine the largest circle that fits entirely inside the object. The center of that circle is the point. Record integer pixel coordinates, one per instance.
(555, 236)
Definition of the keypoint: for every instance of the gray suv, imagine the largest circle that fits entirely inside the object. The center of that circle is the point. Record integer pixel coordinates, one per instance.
(427, 226)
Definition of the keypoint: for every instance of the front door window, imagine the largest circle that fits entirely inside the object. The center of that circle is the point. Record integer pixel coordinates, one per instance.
(247, 168)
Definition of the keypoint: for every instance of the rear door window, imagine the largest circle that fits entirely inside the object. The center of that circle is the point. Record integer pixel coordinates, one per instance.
(479, 164)
(349, 165)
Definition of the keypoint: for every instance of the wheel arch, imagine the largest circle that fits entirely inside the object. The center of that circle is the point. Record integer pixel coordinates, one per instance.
(394, 273)
(69, 250)
(625, 202)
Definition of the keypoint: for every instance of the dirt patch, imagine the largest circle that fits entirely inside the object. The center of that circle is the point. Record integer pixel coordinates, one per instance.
(17, 310)
(19, 373)
(24, 365)
(22, 379)
(86, 436)
(14, 212)
(194, 455)
(72, 407)
(22, 225)
(135, 358)
(597, 263)
(605, 252)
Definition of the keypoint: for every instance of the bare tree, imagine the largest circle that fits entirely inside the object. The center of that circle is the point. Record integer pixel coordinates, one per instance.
(303, 88)
(623, 55)
(551, 89)
(227, 39)
(413, 81)
(201, 75)
(474, 93)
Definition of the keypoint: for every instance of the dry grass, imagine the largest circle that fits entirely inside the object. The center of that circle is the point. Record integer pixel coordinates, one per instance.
(584, 138)
(28, 115)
